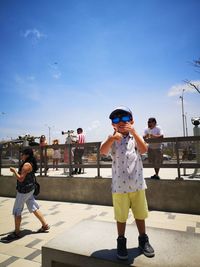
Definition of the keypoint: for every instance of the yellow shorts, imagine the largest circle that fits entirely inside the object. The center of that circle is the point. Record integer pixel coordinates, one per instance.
(122, 202)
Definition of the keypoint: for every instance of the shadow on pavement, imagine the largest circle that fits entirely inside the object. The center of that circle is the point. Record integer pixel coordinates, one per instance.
(10, 237)
(110, 254)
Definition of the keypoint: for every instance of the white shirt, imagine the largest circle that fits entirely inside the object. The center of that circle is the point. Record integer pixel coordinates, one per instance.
(155, 131)
(127, 168)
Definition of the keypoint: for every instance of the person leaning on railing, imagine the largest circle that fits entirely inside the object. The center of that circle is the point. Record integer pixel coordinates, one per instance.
(155, 154)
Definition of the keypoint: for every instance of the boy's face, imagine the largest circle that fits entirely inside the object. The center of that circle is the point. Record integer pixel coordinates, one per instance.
(122, 123)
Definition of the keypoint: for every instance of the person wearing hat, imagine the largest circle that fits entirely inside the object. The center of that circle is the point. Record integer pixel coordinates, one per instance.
(25, 190)
(128, 184)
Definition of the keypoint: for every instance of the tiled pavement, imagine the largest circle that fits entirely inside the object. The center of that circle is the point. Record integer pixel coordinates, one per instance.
(61, 216)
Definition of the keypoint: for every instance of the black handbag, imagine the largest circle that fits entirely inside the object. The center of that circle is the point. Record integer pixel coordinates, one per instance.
(37, 188)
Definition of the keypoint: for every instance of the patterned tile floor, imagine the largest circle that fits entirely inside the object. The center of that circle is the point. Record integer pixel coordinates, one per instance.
(26, 251)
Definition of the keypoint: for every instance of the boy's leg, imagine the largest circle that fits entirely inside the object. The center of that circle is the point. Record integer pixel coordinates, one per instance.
(121, 208)
(140, 226)
(121, 227)
(140, 211)
(122, 252)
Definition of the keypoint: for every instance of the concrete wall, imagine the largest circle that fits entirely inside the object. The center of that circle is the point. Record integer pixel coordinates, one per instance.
(164, 195)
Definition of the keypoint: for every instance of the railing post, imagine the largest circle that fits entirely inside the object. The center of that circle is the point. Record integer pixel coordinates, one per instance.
(19, 157)
(41, 160)
(178, 161)
(0, 157)
(98, 160)
(70, 159)
(45, 161)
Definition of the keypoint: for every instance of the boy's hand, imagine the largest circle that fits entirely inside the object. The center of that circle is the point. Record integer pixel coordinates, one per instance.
(128, 127)
(117, 136)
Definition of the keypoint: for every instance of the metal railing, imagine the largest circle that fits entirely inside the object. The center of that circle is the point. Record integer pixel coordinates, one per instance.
(181, 152)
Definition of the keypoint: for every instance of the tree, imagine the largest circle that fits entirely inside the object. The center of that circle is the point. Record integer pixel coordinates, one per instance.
(195, 63)
(196, 87)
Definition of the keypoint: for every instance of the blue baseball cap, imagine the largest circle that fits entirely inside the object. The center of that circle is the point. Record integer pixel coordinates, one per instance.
(119, 111)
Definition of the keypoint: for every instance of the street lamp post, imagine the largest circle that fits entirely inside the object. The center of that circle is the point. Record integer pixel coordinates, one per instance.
(2, 113)
(49, 134)
(49, 128)
(186, 127)
(183, 115)
(184, 120)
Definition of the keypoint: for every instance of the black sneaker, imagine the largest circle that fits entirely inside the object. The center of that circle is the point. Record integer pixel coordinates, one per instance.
(145, 246)
(122, 252)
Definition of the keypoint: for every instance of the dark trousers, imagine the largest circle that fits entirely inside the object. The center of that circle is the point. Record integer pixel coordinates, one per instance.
(78, 154)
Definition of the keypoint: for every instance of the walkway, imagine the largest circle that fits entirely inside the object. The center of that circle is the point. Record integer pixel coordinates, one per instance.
(165, 173)
(62, 216)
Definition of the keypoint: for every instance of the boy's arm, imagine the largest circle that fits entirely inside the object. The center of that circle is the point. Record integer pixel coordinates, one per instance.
(142, 146)
(106, 145)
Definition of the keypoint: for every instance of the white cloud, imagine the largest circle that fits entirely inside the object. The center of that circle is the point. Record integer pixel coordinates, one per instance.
(94, 125)
(178, 88)
(33, 34)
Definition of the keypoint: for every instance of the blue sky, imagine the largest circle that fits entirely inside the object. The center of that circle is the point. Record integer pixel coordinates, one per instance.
(68, 63)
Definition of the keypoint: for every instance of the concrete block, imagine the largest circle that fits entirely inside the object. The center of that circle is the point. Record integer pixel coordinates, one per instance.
(93, 243)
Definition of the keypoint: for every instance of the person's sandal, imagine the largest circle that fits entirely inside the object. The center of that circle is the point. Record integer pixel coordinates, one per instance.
(44, 229)
(12, 236)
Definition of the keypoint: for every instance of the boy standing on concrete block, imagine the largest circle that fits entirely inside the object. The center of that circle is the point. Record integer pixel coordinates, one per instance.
(128, 184)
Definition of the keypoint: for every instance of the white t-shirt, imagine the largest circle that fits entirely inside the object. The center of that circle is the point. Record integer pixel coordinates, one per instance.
(155, 131)
(127, 168)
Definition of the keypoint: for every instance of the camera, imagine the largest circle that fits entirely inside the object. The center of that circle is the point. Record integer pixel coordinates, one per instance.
(71, 137)
(68, 132)
(195, 121)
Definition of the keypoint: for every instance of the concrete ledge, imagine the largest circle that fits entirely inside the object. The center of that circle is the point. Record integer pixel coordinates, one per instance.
(162, 195)
(93, 243)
